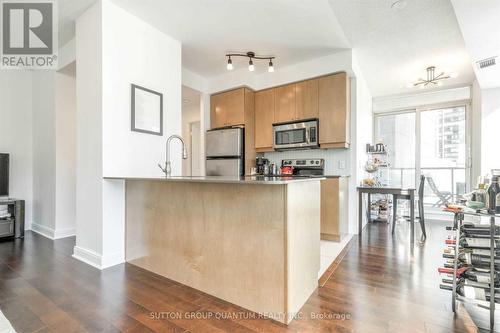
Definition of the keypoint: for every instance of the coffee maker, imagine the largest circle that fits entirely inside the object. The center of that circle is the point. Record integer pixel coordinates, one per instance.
(262, 164)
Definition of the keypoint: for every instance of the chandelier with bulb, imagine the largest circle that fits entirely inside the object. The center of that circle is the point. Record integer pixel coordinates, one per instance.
(432, 79)
(251, 56)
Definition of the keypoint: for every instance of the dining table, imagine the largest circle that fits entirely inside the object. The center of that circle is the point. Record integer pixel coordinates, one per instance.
(397, 192)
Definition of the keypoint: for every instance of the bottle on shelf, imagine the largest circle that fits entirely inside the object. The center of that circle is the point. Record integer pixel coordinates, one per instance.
(471, 292)
(471, 242)
(468, 259)
(494, 196)
(449, 253)
(479, 229)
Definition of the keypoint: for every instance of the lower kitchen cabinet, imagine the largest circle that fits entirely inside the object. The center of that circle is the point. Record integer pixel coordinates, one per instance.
(334, 208)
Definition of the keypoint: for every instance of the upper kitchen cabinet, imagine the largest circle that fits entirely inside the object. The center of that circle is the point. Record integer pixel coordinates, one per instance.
(236, 108)
(284, 104)
(228, 108)
(264, 119)
(306, 99)
(334, 114)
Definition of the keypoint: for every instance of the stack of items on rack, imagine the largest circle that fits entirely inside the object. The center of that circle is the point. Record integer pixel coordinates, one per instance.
(484, 199)
(4, 212)
(472, 265)
(379, 208)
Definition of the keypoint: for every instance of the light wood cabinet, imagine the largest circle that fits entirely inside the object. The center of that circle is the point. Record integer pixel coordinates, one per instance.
(284, 104)
(236, 108)
(334, 114)
(306, 99)
(334, 208)
(228, 108)
(264, 119)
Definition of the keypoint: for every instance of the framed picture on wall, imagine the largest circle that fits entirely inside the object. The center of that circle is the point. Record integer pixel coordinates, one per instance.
(147, 110)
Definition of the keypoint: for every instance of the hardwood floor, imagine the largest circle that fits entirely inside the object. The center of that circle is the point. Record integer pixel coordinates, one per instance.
(381, 285)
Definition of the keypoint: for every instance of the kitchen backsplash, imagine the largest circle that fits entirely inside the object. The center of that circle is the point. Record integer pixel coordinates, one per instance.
(337, 161)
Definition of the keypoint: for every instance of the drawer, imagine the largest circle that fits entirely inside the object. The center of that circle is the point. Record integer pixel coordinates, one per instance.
(6, 228)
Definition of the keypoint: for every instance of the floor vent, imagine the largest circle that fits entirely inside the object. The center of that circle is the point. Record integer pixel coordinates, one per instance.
(486, 62)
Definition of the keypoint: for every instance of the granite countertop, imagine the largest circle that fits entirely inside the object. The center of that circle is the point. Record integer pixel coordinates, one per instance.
(258, 180)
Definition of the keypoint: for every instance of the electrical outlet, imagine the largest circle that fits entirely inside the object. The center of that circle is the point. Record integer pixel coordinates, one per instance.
(341, 164)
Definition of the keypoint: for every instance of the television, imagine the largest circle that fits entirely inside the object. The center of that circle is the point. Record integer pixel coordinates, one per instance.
(4, 175)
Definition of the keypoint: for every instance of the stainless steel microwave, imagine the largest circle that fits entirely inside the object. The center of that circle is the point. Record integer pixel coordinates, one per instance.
(299, 135)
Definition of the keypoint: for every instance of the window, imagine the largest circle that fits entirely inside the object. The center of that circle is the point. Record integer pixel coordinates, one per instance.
(432, 142)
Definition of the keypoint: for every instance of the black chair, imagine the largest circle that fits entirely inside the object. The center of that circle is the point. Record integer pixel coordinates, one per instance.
(421, 214)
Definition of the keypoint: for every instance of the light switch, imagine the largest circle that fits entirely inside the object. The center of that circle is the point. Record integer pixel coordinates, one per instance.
(341, 164)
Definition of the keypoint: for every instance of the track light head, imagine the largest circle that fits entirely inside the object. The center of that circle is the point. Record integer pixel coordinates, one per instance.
(251, 67)
(270, 69)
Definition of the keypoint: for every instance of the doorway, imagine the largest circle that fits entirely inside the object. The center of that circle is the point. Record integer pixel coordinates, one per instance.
(192, 131)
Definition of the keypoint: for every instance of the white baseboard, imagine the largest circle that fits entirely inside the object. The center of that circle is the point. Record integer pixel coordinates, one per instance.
(52, 233)
(97, 260)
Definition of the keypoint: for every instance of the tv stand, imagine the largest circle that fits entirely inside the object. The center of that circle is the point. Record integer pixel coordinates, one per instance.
(13, 226)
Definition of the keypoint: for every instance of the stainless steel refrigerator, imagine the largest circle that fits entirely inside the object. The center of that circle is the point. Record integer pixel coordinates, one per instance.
(225, 152)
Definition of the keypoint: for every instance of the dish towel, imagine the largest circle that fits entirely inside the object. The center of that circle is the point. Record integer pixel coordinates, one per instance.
(5, 326)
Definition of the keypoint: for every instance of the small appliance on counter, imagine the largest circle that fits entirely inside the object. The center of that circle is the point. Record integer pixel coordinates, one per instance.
(225, 152)
(297, 135)
(303, 167)
(262, 164)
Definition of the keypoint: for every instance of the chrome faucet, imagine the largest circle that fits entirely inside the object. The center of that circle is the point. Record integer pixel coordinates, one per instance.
(168, 168)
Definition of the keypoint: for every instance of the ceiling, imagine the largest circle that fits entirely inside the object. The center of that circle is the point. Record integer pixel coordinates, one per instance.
(69, 10)
(292, 30)
(482, 36)
(394, 46)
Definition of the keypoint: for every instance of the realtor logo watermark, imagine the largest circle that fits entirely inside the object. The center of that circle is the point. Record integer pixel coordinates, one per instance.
(29, 34)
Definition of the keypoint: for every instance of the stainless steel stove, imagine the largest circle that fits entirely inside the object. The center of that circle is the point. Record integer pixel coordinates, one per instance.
(306, 167)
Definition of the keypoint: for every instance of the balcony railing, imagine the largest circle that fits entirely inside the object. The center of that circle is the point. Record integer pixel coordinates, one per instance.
(450, 181)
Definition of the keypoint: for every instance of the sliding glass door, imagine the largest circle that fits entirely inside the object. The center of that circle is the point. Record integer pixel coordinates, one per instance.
(443, 154)
(431, 142)
(397, 131)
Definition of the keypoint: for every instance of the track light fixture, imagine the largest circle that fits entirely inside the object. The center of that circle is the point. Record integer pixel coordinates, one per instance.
(251, 56)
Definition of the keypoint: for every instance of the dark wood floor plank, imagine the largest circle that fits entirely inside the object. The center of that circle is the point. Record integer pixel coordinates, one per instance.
(380, 285)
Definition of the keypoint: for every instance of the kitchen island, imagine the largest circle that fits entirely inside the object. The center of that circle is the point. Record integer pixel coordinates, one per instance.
(251, 241)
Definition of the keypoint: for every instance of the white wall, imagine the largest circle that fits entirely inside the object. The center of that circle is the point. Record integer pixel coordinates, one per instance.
(89, 203)
(476, 120)
(44, 150)
(409, 101)
(54, 136)
(115, 49)
(362, 133)
(65, 156)
(135, 52)
(490, 115)
(16, 134)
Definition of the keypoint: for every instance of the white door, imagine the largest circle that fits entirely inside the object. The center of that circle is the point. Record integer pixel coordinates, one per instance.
(194, 129)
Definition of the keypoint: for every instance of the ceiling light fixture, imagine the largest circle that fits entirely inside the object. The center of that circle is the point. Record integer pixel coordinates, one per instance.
(251, 56)
(251, 67)
(432, 79)
(398, 4)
